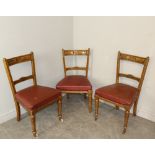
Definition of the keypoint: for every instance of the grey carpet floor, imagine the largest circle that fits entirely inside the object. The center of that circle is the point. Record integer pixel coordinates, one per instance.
(79, 124)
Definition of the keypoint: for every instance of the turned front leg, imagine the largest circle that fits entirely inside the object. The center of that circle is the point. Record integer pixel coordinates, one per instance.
(96, 107)
(33, 123)
(90, 100)
(126, 118)
(60, 108)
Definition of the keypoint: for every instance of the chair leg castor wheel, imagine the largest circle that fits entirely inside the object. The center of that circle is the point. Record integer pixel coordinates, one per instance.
(35, 134)
(60, 118)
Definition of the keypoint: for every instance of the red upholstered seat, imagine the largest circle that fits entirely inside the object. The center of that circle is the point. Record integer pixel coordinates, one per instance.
(119, 93)
(36, 96)
(74, 83)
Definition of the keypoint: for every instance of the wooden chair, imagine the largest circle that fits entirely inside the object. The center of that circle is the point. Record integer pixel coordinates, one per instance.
(76, 83)
(123, 95)
(33, 98)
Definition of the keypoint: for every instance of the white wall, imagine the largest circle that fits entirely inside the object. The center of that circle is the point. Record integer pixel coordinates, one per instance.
(46, 36)
(105, 36)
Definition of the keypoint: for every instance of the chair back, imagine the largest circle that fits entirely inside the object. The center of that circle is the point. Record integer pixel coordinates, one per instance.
(16, 60)
(135, 59)
(76, 53)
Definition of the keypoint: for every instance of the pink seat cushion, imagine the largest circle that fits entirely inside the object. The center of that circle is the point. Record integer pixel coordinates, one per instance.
(74, 83)
(119, 93)
(37, 96)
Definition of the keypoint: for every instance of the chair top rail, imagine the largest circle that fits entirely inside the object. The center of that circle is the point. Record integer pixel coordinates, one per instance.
(19, 59)
(75, 52)
(133, 58)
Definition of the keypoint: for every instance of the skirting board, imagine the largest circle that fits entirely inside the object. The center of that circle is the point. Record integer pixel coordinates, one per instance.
(147, 115)
(9, 115)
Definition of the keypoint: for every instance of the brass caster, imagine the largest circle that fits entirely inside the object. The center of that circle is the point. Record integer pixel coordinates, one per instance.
(124, 131)
(35, 134)
(134, 115)
(61, 120)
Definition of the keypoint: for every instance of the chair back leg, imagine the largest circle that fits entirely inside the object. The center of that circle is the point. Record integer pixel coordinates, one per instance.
(85, 96)
(67, 96)
(117, 107)
(135, 108)
(18, 111)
